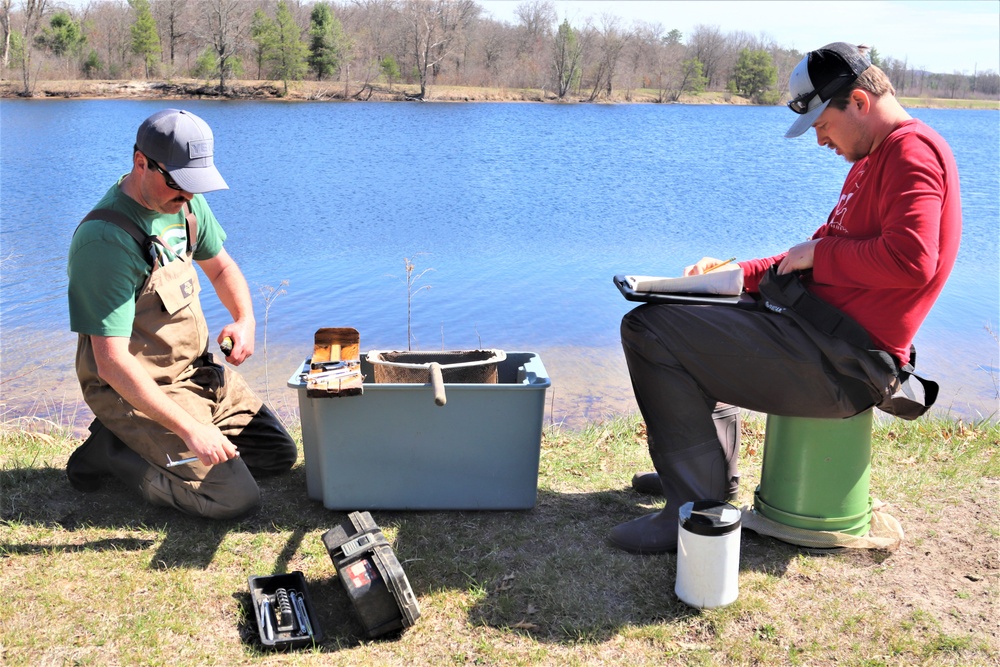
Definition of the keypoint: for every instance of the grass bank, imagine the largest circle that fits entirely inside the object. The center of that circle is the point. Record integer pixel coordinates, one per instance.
(101, 579)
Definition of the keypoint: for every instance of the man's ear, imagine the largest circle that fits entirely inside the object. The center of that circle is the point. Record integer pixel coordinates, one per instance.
(861, 100)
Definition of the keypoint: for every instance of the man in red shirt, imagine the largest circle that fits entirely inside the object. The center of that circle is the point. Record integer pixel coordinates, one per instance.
(881, 260)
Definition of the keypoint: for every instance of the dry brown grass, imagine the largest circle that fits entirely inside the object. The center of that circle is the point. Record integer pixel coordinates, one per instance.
(320, 91)
(331, 91)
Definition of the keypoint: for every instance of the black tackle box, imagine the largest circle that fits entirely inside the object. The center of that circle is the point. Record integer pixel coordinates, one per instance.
(371, 575)
(284, 612)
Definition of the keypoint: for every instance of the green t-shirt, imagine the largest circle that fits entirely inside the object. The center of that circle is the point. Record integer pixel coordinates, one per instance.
(107, 268)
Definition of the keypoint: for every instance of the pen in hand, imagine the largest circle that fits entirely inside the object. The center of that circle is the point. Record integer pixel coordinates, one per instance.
(728, 261)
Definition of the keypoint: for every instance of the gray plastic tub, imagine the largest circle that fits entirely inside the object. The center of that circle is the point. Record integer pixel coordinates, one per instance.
(392, 448)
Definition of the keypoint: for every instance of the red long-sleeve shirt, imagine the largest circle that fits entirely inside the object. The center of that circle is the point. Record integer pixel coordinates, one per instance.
(890, 243)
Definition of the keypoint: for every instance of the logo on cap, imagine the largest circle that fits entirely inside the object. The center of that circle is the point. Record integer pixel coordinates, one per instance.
(198, 149)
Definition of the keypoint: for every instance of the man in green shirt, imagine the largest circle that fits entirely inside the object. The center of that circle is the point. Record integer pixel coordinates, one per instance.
(142, 353)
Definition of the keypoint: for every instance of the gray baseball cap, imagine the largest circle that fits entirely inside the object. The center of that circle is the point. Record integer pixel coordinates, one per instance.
(818, 77)
(183, 145)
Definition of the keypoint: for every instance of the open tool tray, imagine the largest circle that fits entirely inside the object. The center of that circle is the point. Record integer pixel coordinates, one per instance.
(282, 627)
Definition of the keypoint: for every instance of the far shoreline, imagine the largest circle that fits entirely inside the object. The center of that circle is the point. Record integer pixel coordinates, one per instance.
(323, 91)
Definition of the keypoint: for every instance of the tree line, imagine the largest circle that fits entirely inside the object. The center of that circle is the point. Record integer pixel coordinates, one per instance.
(364, 45)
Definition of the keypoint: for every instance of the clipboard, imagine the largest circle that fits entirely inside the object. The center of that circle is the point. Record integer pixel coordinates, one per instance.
(680, 298)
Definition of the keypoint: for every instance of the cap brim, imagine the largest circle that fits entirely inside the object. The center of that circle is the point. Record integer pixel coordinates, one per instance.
(197, 180)
(805, 121)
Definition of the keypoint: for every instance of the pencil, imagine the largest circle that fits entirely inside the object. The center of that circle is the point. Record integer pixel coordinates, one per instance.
(731, 259)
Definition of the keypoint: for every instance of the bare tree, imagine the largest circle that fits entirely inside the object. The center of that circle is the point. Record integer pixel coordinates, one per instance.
(227, 23)
(33, 13)
(665, 67)
(378, 35)
(536, 16)
(610, 42)
(495, 46)
(536, 20)
(110, 33)
(5, 26)
(174, 24)
(434, 26)
(376, 23)
(640, 55)
(954, 82)
(708, 44)
(459, 21)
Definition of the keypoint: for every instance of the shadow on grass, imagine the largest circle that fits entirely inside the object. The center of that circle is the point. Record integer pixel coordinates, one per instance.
(546, 572)
(549, 573)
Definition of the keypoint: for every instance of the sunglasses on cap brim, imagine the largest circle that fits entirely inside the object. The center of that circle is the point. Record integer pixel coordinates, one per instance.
(800, 104)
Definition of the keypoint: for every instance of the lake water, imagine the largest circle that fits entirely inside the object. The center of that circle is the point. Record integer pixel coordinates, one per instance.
(520, 214)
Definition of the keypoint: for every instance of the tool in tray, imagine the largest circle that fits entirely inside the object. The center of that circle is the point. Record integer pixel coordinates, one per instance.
(283, 611)
(335, 367)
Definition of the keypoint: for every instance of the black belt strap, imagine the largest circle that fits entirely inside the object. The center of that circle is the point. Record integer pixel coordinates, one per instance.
(786, 292)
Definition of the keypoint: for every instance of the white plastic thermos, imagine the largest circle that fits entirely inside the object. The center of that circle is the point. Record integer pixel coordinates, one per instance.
(708, 554)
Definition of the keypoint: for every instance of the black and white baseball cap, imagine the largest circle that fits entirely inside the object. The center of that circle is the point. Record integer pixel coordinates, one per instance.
(818, 77)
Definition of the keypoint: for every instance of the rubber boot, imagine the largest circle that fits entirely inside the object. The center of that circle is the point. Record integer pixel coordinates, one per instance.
(698, 473)
(88, 464)
(128, 466)
(727, 427)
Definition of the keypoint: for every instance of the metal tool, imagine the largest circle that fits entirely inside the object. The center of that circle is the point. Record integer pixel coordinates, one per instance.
(286, 618)
(265, 618)
(171, 463)
(191, 459)
(299, 604)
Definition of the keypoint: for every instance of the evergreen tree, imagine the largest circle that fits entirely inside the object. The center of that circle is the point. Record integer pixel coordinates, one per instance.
(288, 58)
(145, 40)
(207, 65)
(264, 36)
(63, 36)
(566, 64)
(755, 76)
(692, 78)
(389, 69)
(92, 65)
(327, 42)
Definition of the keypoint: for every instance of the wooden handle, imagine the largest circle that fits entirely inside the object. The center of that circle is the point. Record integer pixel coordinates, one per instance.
(437, 381)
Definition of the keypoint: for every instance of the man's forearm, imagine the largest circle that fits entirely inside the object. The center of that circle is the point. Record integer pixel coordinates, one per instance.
(134, 384)
(234, 293)
(125, 375)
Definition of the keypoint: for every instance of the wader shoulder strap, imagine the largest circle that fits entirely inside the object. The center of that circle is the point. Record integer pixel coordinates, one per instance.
(192, 229)
(146, 241)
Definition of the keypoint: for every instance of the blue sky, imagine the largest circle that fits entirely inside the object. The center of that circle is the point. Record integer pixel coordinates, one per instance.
(938, 35)
(949, 36)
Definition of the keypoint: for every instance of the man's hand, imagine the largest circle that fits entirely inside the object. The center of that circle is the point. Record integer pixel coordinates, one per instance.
(208, 443)
(231, 288)
(117, 367)
(799, 258)
(702, 265)
(241, 334)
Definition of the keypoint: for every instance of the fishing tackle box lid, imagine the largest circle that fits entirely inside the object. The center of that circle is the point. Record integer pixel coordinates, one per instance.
(371, 575)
